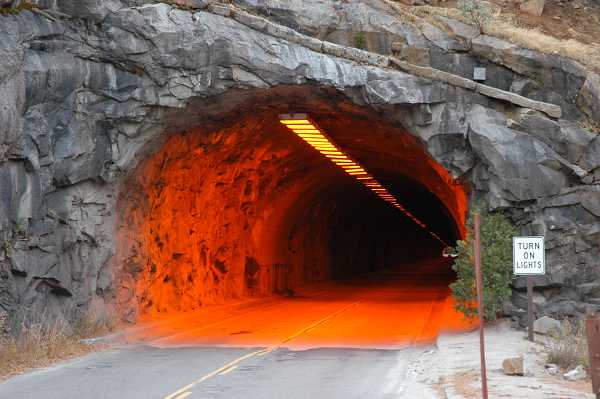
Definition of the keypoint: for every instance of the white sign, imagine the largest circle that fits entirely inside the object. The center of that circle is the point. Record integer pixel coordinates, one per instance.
(528, 256)
(479, 74)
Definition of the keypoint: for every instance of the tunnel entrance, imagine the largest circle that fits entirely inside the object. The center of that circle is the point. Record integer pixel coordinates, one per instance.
(237, 206)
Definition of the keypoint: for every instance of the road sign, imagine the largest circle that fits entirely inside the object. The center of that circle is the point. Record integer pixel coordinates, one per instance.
(529, 260)
(528, 256)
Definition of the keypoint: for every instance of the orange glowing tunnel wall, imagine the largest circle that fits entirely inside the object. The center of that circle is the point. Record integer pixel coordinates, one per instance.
(244, 208)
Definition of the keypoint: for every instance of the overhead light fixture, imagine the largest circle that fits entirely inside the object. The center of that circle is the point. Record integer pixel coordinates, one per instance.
(308, 131)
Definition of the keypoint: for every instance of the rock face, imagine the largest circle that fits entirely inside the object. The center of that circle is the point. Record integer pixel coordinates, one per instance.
(89, 96)
(589, 97)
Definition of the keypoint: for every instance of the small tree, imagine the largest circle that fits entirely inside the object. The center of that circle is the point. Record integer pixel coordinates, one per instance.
(496, 234)
(476, 11)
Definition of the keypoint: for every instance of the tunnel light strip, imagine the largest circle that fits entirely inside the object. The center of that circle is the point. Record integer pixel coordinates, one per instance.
(308, 131)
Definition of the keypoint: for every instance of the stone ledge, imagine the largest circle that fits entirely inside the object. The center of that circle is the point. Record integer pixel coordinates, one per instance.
(550, 109)
(220, 9)
(435, 74)
(381, 61)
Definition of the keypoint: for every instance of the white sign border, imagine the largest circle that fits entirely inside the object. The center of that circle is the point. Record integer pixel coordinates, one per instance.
(543, 257)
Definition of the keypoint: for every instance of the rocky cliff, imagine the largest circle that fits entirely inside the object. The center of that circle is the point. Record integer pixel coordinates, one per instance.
(92, 90)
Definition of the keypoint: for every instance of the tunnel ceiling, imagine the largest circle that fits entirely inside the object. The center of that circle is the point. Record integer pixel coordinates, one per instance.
(365, 134)
(240, 206)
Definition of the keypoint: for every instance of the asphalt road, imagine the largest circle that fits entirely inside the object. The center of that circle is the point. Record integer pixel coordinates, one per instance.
(357, 339)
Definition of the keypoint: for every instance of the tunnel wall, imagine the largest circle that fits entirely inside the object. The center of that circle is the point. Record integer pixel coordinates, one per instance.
(198, 225)
(88, 98)
(247, 209)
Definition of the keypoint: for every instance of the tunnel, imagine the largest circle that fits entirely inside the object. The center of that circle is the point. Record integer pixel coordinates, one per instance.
(232, 205)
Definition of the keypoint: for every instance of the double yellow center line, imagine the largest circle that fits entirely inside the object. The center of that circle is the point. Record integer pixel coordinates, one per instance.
(186, 390)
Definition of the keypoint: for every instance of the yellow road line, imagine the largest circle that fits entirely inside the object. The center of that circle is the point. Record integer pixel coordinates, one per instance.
(229, 370)
(184, 395)
(233, 364)
(315, 324)
(212, 374)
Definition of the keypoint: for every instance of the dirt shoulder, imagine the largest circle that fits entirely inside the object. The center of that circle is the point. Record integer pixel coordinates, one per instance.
(454, 367)
(38, 348)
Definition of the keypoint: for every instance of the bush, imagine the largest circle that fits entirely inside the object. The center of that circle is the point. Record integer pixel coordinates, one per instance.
(476, 11)
(590, 125)
(496, 264)
(567, 347)
(360, 40)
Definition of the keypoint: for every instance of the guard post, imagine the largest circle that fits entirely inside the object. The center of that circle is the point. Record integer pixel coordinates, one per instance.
(592, 328)
(480, 311)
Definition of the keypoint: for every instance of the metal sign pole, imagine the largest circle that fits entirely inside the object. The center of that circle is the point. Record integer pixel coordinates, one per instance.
(530, 308)
(480, 313)
(592, 327)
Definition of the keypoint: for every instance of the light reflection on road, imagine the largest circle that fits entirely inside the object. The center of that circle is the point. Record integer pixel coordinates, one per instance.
(388, 310)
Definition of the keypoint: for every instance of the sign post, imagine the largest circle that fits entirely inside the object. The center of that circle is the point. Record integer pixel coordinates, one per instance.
(529, 260)
(593, 338)
(480, 312)
(530, 308)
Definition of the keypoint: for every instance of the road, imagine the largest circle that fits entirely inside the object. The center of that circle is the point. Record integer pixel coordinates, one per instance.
(353, 339)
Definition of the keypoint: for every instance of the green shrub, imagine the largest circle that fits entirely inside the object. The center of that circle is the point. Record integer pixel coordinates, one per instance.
(590, 125)
(496, 263)
(476, 11)
(360, 40)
